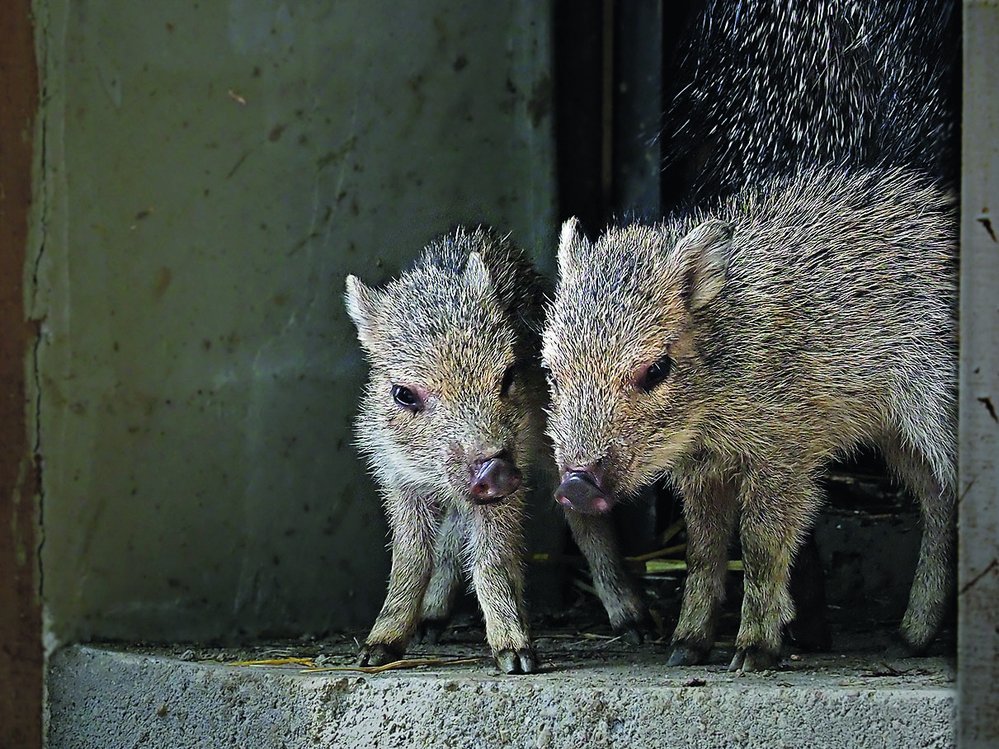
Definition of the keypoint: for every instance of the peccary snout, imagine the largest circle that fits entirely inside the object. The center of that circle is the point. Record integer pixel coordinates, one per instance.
(581, 491)
(493, 479)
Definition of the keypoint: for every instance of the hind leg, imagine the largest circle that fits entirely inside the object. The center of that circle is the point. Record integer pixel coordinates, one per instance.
(595, 537)
(933, 489)
(809, 630)
(446, 579)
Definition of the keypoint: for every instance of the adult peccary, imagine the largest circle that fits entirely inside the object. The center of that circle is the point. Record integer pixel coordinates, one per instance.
(449, 421)
(737, 352)
(764, 87)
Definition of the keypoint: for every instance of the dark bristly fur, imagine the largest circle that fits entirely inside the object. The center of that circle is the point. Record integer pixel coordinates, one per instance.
(806, 316)
(764, 85)
(452, 326)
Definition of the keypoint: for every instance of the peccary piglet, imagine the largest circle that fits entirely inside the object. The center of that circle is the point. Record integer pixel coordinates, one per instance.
(449, 421)
(737, 353)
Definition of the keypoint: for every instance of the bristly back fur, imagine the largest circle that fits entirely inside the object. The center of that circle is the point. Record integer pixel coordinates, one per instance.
(772, 87)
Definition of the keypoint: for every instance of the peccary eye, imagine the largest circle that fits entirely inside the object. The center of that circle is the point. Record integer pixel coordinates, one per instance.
(407, 398)
(507, 382)
(655, 374)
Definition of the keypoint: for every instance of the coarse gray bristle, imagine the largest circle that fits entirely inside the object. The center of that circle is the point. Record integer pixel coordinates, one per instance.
(764, 86)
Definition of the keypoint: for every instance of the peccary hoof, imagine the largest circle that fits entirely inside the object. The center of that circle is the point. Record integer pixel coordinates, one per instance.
(632, 634)
(378, 655)
(899, 647)
(636, 631)
(687, 654)
(754, 659)
(429, 631)
(522, 661)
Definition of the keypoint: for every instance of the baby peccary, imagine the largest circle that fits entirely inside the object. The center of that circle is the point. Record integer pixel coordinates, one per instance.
(737, 354)
(448, 421)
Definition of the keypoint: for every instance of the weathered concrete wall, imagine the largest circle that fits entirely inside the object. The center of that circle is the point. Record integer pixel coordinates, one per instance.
(211, 172)
(978, 522)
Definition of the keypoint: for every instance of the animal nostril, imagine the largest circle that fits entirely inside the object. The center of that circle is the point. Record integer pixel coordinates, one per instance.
(583, 490)
(592, 472)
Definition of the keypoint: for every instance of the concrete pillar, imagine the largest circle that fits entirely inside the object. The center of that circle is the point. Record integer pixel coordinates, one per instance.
(978, 568)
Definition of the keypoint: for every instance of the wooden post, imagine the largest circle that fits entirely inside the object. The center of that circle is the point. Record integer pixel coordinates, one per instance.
(21, 658)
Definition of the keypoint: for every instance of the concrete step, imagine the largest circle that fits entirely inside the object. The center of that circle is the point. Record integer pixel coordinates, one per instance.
(102, 698)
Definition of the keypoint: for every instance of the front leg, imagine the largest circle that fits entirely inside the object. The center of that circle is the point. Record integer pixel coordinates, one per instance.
(495, 549)
(709, 511)
(413, 523)
(596, 539)
(446, 579)
(777, 509)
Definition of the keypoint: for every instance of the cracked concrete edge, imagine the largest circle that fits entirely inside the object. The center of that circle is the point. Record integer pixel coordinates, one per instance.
(101, 699)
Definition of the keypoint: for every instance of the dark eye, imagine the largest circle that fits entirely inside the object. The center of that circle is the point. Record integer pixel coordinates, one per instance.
(407, 398)
(507, 382)
(655, 374)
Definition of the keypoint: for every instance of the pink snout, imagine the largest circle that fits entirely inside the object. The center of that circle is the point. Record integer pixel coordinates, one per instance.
(580, 490)
(493, 479)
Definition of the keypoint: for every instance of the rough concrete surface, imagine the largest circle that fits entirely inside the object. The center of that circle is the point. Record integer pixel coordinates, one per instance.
(595, 697)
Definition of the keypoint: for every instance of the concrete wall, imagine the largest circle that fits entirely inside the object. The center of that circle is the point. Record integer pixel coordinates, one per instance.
(210, 173)
(978, 521)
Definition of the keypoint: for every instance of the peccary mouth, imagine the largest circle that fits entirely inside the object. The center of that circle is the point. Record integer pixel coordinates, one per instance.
(580, 491)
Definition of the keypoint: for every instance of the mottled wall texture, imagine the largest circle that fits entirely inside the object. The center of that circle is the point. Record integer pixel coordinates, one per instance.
(211, 171)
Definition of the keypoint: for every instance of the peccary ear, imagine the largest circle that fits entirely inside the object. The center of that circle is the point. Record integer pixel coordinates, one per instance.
(476, 273)
(705, 253)
(361, 304)
(571, 243)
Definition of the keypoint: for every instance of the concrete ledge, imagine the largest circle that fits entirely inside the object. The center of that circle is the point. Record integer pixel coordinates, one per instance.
(102, 698)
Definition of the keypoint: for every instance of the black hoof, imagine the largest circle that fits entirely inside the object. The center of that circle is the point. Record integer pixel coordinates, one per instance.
(522, 661)
(754, 659)
(378, 655)
(687, 654)
(429, 631)
(900, 647)
(637, 631)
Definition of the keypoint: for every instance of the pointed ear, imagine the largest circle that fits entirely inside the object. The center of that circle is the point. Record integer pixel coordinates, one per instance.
(477, 274)
(705, 253)
(571, 243)
(361, 303)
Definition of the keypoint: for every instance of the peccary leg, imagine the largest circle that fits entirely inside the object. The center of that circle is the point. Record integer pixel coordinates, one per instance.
(709, 510)
(496, 559)
(595, 537)
(777, 511)
(810, 629)
(446, 579)
(412, 562)
(934, 571)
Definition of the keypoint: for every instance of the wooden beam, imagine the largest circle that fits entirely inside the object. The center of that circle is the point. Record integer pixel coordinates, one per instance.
(21, 654)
